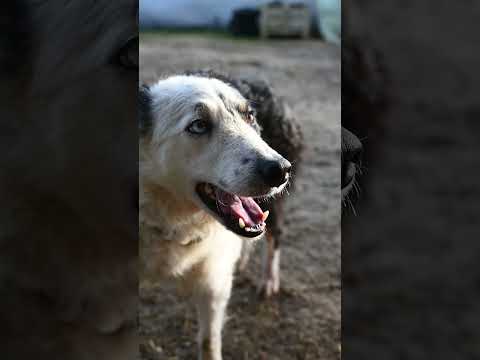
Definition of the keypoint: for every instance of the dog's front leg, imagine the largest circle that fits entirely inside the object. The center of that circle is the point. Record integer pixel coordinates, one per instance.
(211, 306)
(270, 284)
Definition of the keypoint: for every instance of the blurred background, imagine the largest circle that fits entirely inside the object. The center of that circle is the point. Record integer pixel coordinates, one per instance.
(294, 47)
(240, 17)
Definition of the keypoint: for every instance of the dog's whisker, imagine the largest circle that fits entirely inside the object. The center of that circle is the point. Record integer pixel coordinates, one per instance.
(357, 188)
(253, 102)
(352, 207)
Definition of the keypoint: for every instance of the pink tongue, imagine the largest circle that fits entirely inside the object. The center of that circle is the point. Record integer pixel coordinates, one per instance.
(240, 207)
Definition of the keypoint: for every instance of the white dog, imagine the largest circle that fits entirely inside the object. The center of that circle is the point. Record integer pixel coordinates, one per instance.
(203, 167)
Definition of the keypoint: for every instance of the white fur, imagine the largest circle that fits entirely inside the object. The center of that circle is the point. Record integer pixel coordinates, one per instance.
(270, 283)
(180, 238)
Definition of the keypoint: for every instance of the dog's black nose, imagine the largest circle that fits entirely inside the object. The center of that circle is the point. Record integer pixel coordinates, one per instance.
(351, 157)
(351, 147)
(274, 172)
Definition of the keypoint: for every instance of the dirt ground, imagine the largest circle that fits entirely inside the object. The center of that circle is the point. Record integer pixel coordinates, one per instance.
(303, 322)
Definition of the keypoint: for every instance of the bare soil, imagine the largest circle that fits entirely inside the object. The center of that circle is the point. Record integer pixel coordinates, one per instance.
(303, 321)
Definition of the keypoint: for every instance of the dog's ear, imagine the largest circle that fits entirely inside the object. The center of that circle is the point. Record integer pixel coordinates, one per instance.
(144, 110)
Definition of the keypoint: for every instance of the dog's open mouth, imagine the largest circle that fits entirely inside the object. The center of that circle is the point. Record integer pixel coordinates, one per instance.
(240, 214)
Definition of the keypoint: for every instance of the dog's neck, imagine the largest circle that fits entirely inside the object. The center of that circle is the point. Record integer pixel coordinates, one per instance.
(163, 215)
(171, 217)
(157, 197)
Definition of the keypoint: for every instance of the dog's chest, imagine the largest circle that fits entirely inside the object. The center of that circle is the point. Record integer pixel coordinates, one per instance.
(175, 240)
(170, 247)
(164, 256)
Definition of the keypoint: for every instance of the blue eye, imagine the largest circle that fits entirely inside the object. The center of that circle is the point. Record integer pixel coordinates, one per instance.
(199, 127)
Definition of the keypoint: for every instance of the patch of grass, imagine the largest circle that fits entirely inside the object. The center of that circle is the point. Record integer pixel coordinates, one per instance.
(201, 32)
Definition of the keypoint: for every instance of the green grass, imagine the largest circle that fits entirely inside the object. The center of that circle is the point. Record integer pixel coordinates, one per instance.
(220, 34)
(209, 33)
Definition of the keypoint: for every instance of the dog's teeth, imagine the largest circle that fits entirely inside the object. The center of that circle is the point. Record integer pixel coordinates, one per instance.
(241, 223)
(265, 215)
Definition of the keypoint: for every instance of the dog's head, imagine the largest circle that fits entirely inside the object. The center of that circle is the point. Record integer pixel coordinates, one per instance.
(95, 83)
(351, 160)
(201, 143)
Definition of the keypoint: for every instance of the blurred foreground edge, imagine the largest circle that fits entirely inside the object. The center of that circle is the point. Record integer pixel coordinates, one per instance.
(68, 180)
(410, 254)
